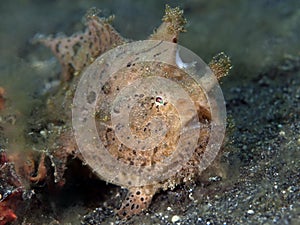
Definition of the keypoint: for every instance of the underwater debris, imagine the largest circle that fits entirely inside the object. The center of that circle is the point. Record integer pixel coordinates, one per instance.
(2, 98)
(11, 190)
(6, 214)
(41, 171)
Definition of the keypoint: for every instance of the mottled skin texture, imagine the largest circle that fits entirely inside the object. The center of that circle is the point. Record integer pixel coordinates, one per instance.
(79, 50)
(168, 113)
(76, 53)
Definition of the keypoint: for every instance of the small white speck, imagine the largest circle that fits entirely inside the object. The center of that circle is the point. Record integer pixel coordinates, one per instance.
(175, 219)
(290, 189)
(191, 197)
(43, 133)
(250, 211)
(282, 133)
(169, 208)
